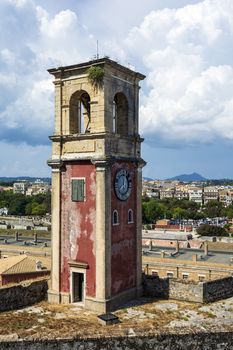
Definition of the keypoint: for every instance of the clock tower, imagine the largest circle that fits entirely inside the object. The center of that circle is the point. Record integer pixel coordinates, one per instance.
(96, 186)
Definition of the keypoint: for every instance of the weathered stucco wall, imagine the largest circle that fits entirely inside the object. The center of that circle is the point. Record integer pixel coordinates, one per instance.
(78, 225)
(25, 294)
(17, 278)
(124, 250)
(200, 341)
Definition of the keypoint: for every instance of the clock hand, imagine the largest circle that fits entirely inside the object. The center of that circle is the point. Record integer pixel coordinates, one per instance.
(122, 187)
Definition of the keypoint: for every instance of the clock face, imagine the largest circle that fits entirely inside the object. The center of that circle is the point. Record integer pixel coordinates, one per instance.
(123, 184)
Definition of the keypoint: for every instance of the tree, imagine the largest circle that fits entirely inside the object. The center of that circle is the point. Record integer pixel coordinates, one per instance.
(19, 204)
(38, 209)
(213, 209)
(211, 230)
(179, 213)
(153, 211)
(228, 212)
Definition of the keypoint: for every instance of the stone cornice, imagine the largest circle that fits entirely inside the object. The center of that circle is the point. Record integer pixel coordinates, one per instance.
(55, 164)
(104, 135)
(66, 71)
(78, 264)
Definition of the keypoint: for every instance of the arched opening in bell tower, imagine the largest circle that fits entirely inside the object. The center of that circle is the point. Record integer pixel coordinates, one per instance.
(80, 114)
(120, 114)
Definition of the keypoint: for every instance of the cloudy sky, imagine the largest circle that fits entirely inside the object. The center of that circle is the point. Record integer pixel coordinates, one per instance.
(183, 46)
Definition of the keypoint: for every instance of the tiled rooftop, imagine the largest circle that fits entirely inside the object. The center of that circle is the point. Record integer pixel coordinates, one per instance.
(21, 264)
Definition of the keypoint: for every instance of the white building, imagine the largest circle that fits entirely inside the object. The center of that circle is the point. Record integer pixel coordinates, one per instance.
(210, 193)
(20, 187)
(196, 195)
(3, 211)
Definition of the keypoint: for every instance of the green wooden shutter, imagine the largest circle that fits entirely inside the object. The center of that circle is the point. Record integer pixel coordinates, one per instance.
(78, 190)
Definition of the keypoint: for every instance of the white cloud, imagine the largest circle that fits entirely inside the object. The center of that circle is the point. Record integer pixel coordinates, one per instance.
(190, 72)
(58, 25)
(18, 3)
(24, 160)
(33, 103)
(34, 41)
(184, 51)
(62, 38)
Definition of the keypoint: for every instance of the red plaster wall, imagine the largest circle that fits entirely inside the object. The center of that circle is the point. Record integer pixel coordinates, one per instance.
(78, 225)
(124, 247)
(7, 279)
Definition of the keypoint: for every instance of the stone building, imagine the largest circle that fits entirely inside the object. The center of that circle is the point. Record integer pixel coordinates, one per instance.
(188, 264)
(20, 187)
(15, 269)
(96, 185)
(210, 193)
(196, 194)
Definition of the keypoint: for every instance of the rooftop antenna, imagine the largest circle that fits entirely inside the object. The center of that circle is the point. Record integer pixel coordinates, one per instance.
(97, 49)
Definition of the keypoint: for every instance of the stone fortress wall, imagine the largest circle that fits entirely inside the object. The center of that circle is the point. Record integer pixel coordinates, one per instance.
(199, 292)
(23, 294)
(200, 341)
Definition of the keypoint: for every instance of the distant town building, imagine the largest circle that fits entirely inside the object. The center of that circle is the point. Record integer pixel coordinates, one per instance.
(196, 195)
(3, 211)
(179, 194)
(195, 191)
(226, 196)
(38, 187)
(153, 193)
(210, 193)
(29, 189)
(167, 193)
(20, 187)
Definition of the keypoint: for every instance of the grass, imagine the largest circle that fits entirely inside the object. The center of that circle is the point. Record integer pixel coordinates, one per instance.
(206, 314)
(185, 318)
(51, 321)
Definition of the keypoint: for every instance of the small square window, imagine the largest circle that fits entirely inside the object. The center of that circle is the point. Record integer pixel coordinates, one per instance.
(78, 190)
(170, 274)
(154, 273)
(201, 278)
(185, 276)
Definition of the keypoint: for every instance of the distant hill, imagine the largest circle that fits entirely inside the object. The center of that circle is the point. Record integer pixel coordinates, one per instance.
(147, 178)
(188, 177)
(24, 178)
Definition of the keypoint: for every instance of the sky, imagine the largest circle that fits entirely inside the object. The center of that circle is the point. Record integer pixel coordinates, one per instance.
(184, 48)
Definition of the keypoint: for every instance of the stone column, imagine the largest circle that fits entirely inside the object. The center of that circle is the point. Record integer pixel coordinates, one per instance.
(206, 248)
(58, 103)
(139, 228)
(54, 292)
(103, 230)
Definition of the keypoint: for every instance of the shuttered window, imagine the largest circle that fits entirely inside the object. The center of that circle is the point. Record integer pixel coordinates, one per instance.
(78, 190)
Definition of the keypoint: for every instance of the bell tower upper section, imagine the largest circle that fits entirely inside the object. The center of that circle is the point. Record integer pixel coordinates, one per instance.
(96, 111)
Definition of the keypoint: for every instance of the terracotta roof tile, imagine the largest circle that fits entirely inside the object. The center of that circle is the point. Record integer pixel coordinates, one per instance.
(19, 264)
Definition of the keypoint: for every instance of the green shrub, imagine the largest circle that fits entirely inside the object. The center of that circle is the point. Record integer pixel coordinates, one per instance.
(95, 76)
